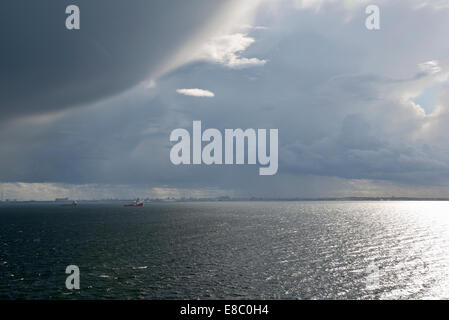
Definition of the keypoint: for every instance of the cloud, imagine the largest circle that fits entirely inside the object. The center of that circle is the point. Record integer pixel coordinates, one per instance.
(436, 4)
(227, 49)
(431, 67)
(250, 27)
(318, 4)
(349, 123)
(46, 67)
(314, 4)
(196, 92)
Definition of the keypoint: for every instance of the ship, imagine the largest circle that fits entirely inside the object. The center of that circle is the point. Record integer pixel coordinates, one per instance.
(136, 203)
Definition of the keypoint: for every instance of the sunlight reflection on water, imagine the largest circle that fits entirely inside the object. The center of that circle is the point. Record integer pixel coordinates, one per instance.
(271, 250)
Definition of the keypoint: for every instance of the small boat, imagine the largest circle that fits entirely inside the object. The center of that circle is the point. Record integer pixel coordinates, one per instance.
(136, 203)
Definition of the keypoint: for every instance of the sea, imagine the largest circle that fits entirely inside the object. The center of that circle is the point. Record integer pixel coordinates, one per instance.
(227, 250)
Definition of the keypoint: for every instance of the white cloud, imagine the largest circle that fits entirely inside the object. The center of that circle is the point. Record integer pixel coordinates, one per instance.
(435, 4)
(251, 27)
(317, 4)
(309, 4)
(196, 92)
(430, 67)
(234, 15)
(226, 50)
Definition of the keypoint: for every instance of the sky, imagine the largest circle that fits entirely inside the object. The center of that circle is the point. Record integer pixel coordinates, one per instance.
(88, 113)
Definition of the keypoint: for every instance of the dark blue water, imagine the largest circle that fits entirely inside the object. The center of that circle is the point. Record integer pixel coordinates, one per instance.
(268, 250)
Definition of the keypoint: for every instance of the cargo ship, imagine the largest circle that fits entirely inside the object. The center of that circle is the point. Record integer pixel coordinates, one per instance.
(136, 203)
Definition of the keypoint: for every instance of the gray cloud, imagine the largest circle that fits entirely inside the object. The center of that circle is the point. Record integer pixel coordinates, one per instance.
(45, 67)
(343, 99)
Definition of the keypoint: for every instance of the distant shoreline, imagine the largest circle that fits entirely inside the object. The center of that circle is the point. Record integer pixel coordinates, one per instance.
(174, 200)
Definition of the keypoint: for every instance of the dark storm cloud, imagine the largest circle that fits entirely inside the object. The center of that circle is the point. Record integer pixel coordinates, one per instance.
(44, 66)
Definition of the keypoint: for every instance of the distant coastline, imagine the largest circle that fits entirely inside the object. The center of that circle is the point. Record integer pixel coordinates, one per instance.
(232, 199)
